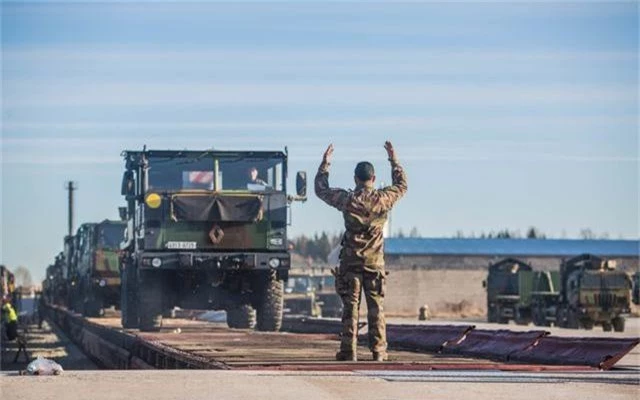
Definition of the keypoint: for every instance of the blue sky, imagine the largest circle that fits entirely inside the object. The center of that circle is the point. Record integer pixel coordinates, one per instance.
(505, 115)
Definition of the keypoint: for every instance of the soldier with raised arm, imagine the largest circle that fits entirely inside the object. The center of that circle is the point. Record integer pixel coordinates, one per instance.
(361, 266)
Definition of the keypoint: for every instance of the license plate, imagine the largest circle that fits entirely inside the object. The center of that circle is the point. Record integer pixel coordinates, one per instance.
(181, 245)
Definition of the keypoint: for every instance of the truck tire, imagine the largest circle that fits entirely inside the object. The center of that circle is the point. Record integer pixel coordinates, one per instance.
(269, 305)
(606, 326)
(491, 315)
(241, 317)
(129, 297)
(92, 307)
(521, 319)
(618, 324)
(150, 300)
(587, 324)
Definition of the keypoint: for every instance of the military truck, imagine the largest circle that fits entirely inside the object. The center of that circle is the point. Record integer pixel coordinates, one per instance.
(636, 288)
(509, 285)
(7, 284)
(591, 292)
(95, 269)
(300, 296)
(206, 230)
(54, 286)
(328, 300)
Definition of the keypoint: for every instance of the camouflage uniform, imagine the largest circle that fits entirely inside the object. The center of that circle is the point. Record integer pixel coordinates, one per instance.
(362, 257)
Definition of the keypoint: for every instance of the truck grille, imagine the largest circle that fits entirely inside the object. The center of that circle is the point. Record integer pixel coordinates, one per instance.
(605, 300)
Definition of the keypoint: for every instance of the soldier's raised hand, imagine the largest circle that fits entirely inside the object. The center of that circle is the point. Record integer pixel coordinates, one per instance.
(390, 150)
(328, 153)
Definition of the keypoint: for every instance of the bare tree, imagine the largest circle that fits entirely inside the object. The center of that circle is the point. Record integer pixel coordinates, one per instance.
(587, 234)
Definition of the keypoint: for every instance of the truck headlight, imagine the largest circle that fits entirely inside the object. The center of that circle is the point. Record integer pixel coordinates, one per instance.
(274, 262)
(102, 283)
(156, 262)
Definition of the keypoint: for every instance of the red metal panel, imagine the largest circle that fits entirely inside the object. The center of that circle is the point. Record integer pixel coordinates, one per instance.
(596, 352)
(430, 338)
(497, 345)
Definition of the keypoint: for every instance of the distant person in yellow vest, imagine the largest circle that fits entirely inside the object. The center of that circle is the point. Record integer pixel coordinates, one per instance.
(9, 320)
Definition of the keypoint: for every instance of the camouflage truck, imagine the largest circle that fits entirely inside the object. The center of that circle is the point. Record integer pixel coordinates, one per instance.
(7, 284)
(206, 230)
(95, 271)
(636, 288)
(300, 296)
(54, 286)
(591, 292)
(508, 286)
(328, 300)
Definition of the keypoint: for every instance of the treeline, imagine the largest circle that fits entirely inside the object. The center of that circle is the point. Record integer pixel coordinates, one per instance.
(317, 247)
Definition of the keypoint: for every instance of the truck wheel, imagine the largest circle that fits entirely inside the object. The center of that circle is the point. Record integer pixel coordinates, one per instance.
(521, 319)
(241, 317)
(92, 307)
(150, 301)
(269, 305)
(587, 324)
(491, 315)
(618, 324)
(606, 326)
(129, 297)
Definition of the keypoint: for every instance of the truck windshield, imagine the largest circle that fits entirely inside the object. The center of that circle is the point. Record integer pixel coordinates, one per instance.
(198, 172)
(110, 235)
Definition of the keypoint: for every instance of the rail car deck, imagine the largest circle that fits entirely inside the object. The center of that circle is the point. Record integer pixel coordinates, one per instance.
(188, 343)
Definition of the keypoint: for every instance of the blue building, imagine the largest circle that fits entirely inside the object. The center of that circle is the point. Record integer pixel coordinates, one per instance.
(436, 253)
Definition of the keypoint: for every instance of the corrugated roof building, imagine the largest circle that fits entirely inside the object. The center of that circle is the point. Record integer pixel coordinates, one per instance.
(434, 253)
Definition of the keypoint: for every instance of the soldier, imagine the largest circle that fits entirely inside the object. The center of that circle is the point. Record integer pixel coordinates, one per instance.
(362, 257)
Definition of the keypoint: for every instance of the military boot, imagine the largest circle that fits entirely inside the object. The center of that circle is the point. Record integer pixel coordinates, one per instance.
(346, 356)
(380, 356)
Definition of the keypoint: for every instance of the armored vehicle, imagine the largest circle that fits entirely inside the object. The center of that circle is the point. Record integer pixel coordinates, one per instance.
(300, 296)
(206, 230)
(591, 292)
(95, 272)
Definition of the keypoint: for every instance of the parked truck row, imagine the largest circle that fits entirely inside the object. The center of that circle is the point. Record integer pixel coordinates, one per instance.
(200, 230)
(586, 291)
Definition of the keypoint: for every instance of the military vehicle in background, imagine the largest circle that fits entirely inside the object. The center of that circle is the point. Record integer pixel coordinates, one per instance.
(7, 284)
(206, 230)
(54, 286)
(94, 269)
(312, 293)
(636, 288)
(324, 284)
(592, 292)
(509, 285)
(300, 295)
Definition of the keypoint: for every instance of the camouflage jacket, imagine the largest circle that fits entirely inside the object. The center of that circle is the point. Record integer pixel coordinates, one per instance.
(365, 213)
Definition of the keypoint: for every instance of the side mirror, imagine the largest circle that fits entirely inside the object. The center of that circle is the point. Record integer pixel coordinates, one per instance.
(484, 284)
(128, 187)
(123, 213)
(301, 184)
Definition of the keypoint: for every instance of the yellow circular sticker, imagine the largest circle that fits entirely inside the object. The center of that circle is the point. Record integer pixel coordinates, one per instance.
(153, 200)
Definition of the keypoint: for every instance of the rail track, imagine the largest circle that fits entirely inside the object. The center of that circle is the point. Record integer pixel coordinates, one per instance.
(309, 345)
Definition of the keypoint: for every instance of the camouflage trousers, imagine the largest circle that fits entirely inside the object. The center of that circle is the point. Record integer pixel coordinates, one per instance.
(349, 285)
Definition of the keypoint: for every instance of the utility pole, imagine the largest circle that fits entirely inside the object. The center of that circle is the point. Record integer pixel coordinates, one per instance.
(70, 187)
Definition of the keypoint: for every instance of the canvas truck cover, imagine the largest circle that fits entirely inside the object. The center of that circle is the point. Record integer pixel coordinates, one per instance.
(216, 208)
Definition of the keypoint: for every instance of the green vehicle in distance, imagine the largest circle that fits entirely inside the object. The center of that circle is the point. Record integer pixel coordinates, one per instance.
(636, 288)
(206, 230)
(324, 284)
(592, 292)
(300, 296)
(95, 272)
(509, 285)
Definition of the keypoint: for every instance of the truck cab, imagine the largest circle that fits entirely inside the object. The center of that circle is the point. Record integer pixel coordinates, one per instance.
(206, 230)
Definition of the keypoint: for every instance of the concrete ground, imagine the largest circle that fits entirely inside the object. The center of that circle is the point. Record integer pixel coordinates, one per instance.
(184, 384)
